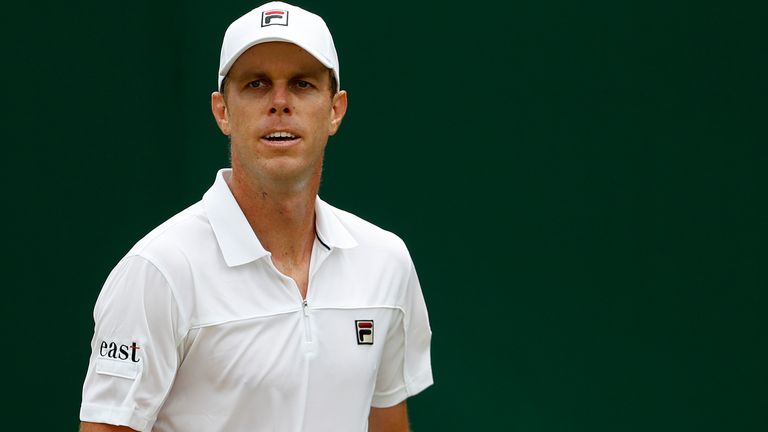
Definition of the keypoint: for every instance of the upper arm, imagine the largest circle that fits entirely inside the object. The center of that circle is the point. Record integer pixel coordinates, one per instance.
(135, 347)
(391, 419)
(405, 368)
(101, 427)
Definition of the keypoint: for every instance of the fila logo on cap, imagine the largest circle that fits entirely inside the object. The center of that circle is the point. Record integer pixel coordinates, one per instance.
(364, 332)
(274, 17)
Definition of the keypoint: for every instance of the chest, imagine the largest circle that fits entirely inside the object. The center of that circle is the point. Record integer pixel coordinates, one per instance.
(253, 328)
(320, 347)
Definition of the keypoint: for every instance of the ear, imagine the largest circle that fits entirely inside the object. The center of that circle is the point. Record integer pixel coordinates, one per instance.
(220, 113)
(338, 109)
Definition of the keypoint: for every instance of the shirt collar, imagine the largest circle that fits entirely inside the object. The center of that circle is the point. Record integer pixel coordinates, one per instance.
(329, 229)
(237, 241)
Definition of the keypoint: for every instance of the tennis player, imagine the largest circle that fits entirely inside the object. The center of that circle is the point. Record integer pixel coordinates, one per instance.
(262, 307)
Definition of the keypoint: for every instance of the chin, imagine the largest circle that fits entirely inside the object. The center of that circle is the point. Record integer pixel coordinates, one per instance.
(287, 171)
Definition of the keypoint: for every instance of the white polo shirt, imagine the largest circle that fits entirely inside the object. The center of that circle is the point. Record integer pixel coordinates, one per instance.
(196, 329)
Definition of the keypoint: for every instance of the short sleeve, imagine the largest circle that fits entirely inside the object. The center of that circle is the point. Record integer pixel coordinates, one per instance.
(134, 351)
(405, 367)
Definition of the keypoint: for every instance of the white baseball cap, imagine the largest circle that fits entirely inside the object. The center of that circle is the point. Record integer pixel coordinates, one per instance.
(278, 22)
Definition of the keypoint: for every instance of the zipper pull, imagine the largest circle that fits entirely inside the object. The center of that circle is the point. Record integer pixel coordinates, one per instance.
(306, 308)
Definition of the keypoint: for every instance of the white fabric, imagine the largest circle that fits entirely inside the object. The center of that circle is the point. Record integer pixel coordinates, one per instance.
(294, 25)
(196, 330)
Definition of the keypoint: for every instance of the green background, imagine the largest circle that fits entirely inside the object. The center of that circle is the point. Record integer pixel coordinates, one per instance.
(582, 186)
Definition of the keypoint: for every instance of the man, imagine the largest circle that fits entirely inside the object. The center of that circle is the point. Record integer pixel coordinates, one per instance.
(261, 307)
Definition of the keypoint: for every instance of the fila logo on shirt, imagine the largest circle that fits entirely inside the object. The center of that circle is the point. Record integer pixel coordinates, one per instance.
(274, 17)
(119, 352)
(364, 332)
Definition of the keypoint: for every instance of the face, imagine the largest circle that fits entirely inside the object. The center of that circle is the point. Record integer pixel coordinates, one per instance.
(278, 111)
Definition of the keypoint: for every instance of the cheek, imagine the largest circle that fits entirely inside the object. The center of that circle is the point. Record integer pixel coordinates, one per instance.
(322, 116)
(242, 124)
(243, 109)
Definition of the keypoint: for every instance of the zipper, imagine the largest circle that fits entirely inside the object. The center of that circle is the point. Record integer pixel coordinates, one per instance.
(307, 327)
(304, 303)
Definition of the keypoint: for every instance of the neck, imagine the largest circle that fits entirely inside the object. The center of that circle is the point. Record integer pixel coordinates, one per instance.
(282, 216)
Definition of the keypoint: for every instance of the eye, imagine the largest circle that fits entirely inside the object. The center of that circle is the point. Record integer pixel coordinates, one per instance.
(303, 84)
(256, 84)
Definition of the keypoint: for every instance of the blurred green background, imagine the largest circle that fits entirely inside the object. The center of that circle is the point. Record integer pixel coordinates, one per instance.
(582, 186)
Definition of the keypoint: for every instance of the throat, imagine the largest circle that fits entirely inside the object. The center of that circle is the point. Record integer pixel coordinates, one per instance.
(298, 271)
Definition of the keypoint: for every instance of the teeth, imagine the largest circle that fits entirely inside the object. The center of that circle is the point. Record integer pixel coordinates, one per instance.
(280, 135)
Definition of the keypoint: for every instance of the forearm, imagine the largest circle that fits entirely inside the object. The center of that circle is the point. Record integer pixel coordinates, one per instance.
(101, 427)
(392, 419)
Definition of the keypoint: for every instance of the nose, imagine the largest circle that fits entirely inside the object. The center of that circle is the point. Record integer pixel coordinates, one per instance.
(280, 101)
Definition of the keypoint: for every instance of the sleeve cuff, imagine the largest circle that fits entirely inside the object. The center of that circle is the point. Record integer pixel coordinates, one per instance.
(414, 387)
(114, 416)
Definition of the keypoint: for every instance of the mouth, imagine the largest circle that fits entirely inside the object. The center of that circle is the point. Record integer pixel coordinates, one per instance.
(280, 137)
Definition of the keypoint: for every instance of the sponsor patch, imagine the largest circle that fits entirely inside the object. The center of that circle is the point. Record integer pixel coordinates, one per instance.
(118, 351)
(364, 332)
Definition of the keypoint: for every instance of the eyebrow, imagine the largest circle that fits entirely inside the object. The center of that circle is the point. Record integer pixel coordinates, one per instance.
(298, 75)
(251, 75)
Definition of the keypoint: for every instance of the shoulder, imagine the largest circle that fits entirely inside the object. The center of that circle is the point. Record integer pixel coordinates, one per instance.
(175, 237)
(366, 233)
(163, 259)
(173, 246)
(373, 240)
(178, 227)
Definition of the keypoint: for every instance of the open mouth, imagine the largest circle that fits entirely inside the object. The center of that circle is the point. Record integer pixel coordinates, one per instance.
(280, 136)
